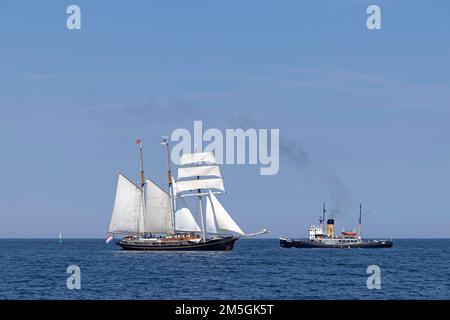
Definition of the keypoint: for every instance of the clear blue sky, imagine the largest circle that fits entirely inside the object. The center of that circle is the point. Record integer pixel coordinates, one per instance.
(370, 109)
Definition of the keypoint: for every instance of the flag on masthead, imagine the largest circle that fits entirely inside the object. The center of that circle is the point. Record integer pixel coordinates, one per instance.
(164, 140)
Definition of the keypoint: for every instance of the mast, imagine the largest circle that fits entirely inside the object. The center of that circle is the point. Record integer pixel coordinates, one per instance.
(322, 220)
(165, 141)
(141, 156)
(200, 205)
(360, 220)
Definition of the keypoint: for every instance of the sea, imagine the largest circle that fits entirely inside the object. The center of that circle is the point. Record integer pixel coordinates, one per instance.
(256, 269)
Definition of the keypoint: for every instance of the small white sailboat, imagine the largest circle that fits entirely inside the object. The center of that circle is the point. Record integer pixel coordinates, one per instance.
(154, 219)
(60, 237)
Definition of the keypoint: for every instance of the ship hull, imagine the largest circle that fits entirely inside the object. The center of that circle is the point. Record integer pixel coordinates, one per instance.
(222, 244)
(305, 244)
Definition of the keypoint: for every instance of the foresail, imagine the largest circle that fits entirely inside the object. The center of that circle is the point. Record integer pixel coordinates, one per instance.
(210, 220)
(158, 218)
(224, 220)
(184, 221)
(128, 209)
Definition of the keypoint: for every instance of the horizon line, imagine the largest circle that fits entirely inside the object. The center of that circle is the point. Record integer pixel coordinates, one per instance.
(261, 238)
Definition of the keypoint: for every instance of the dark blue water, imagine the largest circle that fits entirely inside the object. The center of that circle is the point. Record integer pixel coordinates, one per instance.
(256, 269)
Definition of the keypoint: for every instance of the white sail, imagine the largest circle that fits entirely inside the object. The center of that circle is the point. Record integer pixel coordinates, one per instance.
(196, 158)
(158, 218)
(224, 220)
(190, 172)
(210, 220)
(191, 185)
(184, 221)
(128, 209)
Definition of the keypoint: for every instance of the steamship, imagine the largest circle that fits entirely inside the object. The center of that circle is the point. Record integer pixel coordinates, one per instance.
(320, 239)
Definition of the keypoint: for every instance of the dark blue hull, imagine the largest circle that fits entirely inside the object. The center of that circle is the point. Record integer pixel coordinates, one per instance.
(222, 244)
(375, 244)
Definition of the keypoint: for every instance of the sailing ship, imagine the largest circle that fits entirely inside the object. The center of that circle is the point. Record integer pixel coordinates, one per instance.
(319, 238)
(150, 218)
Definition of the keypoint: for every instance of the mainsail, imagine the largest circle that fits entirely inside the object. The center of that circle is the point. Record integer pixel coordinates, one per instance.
(132, 215)
(158, 218)
(127, 216)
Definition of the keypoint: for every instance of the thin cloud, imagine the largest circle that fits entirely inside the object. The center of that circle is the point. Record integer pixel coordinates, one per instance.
(43, 76)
